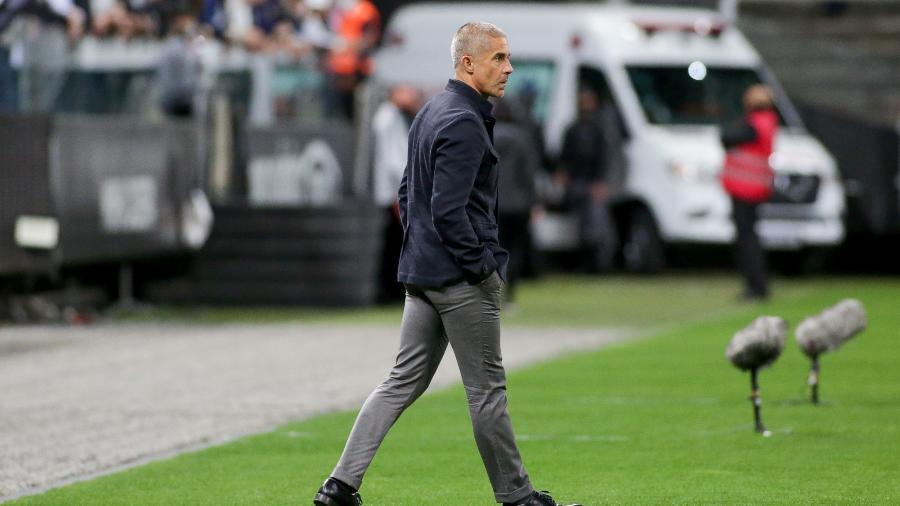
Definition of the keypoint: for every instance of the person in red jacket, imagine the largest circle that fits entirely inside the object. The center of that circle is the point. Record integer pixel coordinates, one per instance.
(747, 177)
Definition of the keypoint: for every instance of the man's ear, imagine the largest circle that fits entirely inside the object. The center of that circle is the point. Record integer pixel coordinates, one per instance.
(468, 65)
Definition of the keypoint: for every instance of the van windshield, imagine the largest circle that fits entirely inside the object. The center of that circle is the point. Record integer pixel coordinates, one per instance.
(694, 95)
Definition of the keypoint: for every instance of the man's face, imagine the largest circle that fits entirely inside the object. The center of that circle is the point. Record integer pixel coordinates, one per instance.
(492, 68)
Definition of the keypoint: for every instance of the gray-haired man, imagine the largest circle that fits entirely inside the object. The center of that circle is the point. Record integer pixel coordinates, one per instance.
(453, 268)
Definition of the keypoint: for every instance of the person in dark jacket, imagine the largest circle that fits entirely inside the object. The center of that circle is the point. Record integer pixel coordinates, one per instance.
(583, 169)
(45, 49)
(519, 163)
(178, 69)
(453, 268)
(747, 178)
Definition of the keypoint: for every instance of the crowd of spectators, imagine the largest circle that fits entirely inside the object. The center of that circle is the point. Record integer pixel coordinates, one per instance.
(336, 37)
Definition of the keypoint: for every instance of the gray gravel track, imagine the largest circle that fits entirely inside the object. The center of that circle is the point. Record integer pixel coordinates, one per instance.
(77, 402)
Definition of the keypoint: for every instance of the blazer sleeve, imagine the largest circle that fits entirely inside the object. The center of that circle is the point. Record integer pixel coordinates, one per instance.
(459, 151)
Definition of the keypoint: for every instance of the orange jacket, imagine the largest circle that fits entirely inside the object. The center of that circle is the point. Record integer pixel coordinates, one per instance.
(358, 22)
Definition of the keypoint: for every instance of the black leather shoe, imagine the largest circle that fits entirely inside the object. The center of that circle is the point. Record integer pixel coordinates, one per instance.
(536, 498)
(336, 493)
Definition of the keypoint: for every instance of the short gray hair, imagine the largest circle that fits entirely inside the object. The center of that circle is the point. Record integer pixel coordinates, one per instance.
(472, 38)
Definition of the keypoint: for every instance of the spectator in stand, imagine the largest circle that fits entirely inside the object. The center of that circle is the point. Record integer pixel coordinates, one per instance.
(265, 15)
(584, 171)
(136, 18)
(390, 128)
(213, 18)
(112, 17)
(238, 20)
(52, 26)
(157, 17)
(275, 28)
(518, 167)
(350, 61)
(316, 31)
(43, 29)
(179, 66)
(291, 33)
(9, 93)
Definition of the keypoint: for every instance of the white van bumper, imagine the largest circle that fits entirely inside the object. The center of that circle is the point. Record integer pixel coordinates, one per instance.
(775, 233)
(781, 234)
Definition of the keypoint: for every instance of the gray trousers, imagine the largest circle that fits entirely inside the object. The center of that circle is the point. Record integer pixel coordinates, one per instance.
(468, 317)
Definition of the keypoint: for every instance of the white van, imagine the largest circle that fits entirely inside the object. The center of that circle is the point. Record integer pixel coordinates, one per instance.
(674, 74)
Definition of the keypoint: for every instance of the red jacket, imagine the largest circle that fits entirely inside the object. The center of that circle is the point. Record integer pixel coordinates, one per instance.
(746, 174)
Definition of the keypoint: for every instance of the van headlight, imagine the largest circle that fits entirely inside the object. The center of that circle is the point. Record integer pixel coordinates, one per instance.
(692, 172)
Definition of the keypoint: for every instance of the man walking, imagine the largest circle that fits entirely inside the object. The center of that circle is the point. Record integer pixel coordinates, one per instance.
(453, 268)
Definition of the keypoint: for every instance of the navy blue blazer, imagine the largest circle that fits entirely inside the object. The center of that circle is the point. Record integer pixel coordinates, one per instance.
(448, 194)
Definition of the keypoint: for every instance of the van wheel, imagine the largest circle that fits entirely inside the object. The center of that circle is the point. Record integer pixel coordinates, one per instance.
(642, 250)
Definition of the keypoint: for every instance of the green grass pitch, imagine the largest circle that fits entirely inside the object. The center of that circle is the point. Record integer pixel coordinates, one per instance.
(660, 420)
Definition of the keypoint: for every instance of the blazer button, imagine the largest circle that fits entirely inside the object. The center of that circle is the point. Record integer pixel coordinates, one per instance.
(485, 269)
